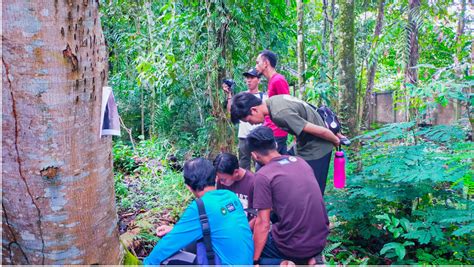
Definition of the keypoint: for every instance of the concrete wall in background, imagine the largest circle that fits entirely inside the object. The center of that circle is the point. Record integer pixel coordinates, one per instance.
(385, 111)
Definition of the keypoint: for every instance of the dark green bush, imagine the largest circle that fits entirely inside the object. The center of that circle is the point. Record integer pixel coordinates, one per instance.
(411, 200)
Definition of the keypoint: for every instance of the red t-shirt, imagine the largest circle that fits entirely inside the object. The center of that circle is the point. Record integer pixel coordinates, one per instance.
(277, 85)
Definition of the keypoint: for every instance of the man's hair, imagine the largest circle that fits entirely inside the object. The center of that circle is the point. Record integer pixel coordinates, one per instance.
(241, 105)
(270, 56)
(226, 163)
(261, 140)
(199, 173)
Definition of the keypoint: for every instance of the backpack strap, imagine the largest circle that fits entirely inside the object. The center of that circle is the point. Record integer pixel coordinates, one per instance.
(261, 95)
(206, 232)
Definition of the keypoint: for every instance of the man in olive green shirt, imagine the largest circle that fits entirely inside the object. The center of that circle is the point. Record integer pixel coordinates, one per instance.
(314, 140)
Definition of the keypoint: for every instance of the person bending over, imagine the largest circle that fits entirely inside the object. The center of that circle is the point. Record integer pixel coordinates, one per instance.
(230, 231)
(286, 185)
(314, 142)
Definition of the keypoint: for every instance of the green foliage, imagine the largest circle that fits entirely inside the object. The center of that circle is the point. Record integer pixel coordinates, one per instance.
(144, 179)
(123, 158)
(408, 198)
(171, 73)
(411, 199)
(398, 249)
(130, 259)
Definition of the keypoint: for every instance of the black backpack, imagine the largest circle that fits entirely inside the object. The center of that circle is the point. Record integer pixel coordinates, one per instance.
(330, 118)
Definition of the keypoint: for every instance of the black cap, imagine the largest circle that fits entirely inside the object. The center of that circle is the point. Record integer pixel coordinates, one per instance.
(252, 72)
(229, 83)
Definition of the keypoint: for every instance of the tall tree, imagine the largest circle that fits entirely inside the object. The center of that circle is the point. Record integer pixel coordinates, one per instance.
(328, 40)
(348, 105)
(411, 72)
(151, 43)
(58, 204)
(368, 99)
(457, 54)
(459, 33)
(332, 44)
(300, 45)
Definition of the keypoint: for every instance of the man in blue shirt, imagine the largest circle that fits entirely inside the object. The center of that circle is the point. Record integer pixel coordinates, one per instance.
(230, 232)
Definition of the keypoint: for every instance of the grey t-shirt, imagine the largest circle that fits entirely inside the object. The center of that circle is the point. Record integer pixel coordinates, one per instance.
(288, 186)
(292, 115)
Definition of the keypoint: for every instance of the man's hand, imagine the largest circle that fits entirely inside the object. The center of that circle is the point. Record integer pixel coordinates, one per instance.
(226, 89)
(163, 230)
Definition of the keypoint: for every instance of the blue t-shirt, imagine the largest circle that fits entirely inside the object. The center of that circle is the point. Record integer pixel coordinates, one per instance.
(230, 232)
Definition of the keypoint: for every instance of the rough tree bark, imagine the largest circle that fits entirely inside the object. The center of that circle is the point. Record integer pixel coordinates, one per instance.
(368, 99)
(209, 28)
(411, 72)
(217, 41)
(300, 45)
(58, 204)
(348, 105)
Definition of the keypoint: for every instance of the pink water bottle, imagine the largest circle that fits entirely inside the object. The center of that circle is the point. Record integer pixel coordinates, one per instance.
(339, 169)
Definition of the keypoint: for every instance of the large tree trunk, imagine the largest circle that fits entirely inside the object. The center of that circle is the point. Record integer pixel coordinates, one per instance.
(347, 67)
(217, 41)
(58, 204)
(300, 46)
(368, 99)
(411, 72)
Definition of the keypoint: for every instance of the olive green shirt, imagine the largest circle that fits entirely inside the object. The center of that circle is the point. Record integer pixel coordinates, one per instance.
(292, 115)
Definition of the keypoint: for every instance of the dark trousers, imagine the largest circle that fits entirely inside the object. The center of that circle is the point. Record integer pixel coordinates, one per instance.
(320, 169)
(281, 145)
(244, 154)
(271, 255)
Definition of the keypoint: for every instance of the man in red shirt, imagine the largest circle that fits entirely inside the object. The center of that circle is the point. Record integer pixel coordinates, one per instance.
(277, 85)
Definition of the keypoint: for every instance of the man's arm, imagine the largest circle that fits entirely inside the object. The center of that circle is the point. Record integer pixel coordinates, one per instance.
(229, 102)
(321, 132)
(187, 230)
(260, 232)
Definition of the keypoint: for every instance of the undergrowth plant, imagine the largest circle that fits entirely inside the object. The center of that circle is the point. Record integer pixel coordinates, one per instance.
(410, 202)
(144, 177)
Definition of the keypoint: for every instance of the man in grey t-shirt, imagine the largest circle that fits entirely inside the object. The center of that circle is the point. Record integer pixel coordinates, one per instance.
(314, 141)
(286, 185)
